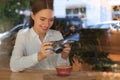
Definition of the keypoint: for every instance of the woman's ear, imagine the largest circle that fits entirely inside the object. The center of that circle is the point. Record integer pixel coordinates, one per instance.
(32, 15)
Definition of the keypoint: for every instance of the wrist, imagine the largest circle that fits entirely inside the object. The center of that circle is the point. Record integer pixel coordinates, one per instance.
(41, 56)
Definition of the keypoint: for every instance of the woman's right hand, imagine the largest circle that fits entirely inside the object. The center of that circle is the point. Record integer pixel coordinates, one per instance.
(45, 50)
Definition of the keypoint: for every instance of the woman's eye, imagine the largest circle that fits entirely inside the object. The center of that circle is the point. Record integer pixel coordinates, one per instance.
(50, 20)
(42, 19)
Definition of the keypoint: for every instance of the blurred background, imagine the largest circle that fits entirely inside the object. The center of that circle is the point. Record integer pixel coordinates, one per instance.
(82, 13)
(70, 16)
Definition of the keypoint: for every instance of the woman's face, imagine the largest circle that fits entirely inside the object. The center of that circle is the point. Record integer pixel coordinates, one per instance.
(43, 20)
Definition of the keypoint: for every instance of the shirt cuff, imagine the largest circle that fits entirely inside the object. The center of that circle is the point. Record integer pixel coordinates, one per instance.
(35, 58)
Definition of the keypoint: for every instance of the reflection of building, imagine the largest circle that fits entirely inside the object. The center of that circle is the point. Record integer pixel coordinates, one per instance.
(90, 11)
(77, 15)
(76, 12)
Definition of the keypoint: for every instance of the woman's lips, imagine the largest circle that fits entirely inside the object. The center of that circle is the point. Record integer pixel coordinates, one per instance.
(44, 29)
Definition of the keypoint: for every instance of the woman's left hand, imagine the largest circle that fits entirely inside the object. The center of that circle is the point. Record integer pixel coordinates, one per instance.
(66, 51)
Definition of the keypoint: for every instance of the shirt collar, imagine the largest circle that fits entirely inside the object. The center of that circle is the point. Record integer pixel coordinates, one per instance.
(34, 34)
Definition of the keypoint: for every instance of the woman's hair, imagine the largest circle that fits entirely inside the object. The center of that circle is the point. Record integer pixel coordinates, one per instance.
(38, 5)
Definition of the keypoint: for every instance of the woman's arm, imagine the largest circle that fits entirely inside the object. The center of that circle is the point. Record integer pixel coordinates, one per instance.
(19, 61)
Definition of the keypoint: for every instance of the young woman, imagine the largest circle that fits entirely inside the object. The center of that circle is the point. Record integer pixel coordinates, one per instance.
(33, 46)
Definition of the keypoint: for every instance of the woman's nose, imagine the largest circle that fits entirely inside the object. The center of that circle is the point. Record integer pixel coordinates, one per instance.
(47, 23)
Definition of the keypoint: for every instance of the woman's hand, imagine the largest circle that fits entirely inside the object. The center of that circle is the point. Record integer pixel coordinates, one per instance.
(45, 50)
(66, 51)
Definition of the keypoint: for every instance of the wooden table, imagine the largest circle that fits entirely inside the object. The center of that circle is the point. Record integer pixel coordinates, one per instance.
(85, 75)
(6, 74)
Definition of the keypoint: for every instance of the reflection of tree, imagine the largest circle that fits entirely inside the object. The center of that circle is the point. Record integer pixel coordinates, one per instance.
(13, 8)
(10, 13)
(92, 49)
